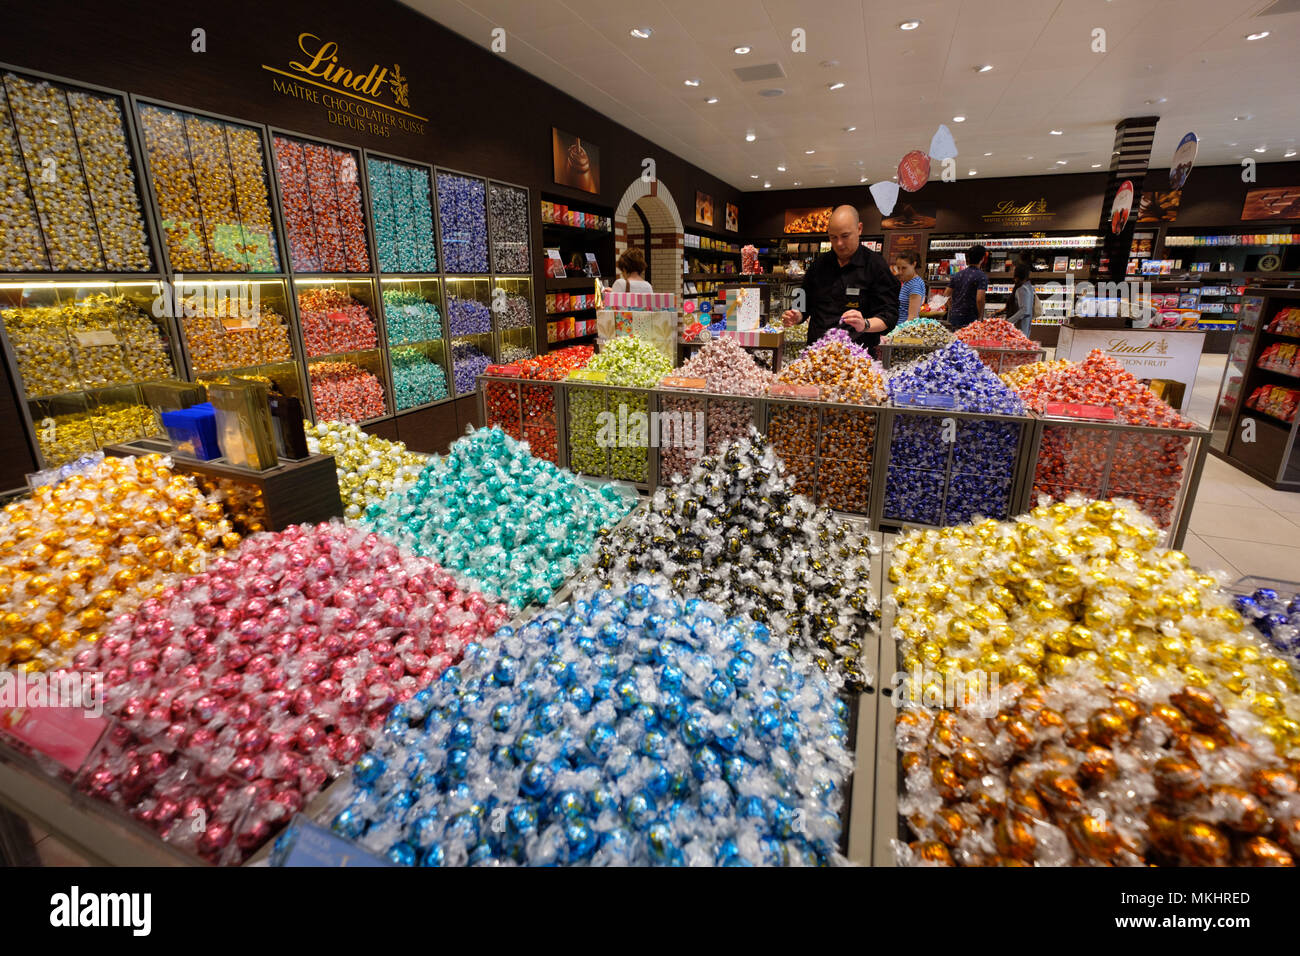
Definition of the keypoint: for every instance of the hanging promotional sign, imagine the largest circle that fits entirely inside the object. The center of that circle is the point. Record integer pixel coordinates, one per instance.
(913, 171)
(1184, 156)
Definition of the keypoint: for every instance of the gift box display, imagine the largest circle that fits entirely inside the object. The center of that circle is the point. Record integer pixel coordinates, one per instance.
(656, 328)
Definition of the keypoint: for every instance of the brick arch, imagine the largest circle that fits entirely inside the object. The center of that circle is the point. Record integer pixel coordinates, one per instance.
(666, 241)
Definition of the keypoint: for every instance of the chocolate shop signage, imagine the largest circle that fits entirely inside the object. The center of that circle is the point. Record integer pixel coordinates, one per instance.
(372, 99)
(1010, 212)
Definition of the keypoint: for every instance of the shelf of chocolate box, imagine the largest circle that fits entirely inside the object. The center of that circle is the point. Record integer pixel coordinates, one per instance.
(1141, 710)
(512, 318)
(1135, 447)
(210, 184)
(818, 427)
(911, 340)
(80, 362)
(69, 147)
(1000, 345)
(348, 391)
(698, 420)
(956, 442)
(401, 212)
(335, 320)
(320, 199)
(231, 336)
(417, 352)
(608, 421)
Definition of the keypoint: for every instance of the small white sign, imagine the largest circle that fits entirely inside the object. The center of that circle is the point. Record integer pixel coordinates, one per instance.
(98, 337)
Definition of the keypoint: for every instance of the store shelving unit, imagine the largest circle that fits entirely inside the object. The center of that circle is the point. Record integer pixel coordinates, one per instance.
(573, 240)
(1257, 442)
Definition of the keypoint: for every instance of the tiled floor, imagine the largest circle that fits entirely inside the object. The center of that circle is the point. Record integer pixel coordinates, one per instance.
(1239, 526)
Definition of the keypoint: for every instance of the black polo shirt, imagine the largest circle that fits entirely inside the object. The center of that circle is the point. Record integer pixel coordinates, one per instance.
(865, 284)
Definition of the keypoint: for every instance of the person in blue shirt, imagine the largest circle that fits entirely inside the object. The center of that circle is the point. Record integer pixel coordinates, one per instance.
(968, 289)
(911, 294)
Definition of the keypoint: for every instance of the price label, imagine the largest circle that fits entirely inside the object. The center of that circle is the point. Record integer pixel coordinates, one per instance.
(1097, 413)
(313, 845)
(64, 734)
(505, 371)
(985, 344)
(241, 325)
(586, 375)
(97, 337)
(925, 400)
(675, 381)
(782, 390)
(908, 340)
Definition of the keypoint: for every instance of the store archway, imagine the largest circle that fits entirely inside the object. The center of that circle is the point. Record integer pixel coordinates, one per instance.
(656, 204)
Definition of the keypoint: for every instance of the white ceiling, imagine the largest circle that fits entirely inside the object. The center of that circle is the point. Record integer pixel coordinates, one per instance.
(899, 85)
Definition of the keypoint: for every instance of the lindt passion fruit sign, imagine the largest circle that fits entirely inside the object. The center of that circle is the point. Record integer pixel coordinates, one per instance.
(369, 98)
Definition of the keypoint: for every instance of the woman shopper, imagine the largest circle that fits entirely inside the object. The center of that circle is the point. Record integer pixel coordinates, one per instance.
(911, 294)
(631, 270)
(1020, 306)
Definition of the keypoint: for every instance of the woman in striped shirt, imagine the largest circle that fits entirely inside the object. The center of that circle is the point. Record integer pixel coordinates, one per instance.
(912, 292)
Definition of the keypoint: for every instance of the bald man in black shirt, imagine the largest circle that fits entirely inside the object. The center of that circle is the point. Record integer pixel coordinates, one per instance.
(849, 286)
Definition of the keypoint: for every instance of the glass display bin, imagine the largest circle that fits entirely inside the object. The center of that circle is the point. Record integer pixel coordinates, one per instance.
(902, 351)
(322, 205)
(469, 324)
(462, 223)
(603, 432)
(1255, 418)
(78, 353)
(338, 321)
(1156, 468)
(512, 318)
(527, 410)
(943, 467)
(693, 423)
(508, 214)
(240, 327)
(72, 198)
(417, 342)
(211, 191)
(401, 214)
(1001, 360)
(828, 448)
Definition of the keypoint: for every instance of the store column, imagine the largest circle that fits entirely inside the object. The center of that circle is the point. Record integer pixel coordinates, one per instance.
(1128, 167)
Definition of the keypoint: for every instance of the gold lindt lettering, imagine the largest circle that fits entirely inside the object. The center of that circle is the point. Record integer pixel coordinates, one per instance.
(324, 65)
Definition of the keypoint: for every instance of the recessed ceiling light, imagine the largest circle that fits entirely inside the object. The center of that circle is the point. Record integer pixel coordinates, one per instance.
(1243, 116)
(780, 169)
(1261, 149)
(775, 91)
(1232, 144)
(766, 184)
(970, 172)
(849, 129)
(1096, 165)
(988, 154)
(641, 33)
(753, 175)
(740, 50)
(909, 24)
(984, 68)
(750, 137)
(830, 63)
(1029, 157)
(1288, 154)
(830, 180)
(959, 119)
(1162, 99)
(711, 100)
(862, 179)
(692, 82)
(1057, 132)
(1061, 162)
(1257, 36)
(809, 152)
(895, 176)
(797, 183)
(835, 86)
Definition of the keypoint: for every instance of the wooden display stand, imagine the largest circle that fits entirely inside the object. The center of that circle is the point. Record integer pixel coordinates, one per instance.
(294, 492)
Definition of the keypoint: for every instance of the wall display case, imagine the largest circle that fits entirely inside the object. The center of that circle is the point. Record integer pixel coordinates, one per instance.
(1156, 468)
(81, 351)
(943, 467)
(829, 449)
(512, 318)
(70, 193)
(1255, 417)
(242, 329)
(322, 205)
(401, 214)
(462, 223)
(211, 189)
(469, 323)
(338, 320)
(509, 210)
(417, 343)
(581, 234)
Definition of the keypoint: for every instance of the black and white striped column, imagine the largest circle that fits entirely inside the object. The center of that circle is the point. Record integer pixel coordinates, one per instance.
(1128, 161)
